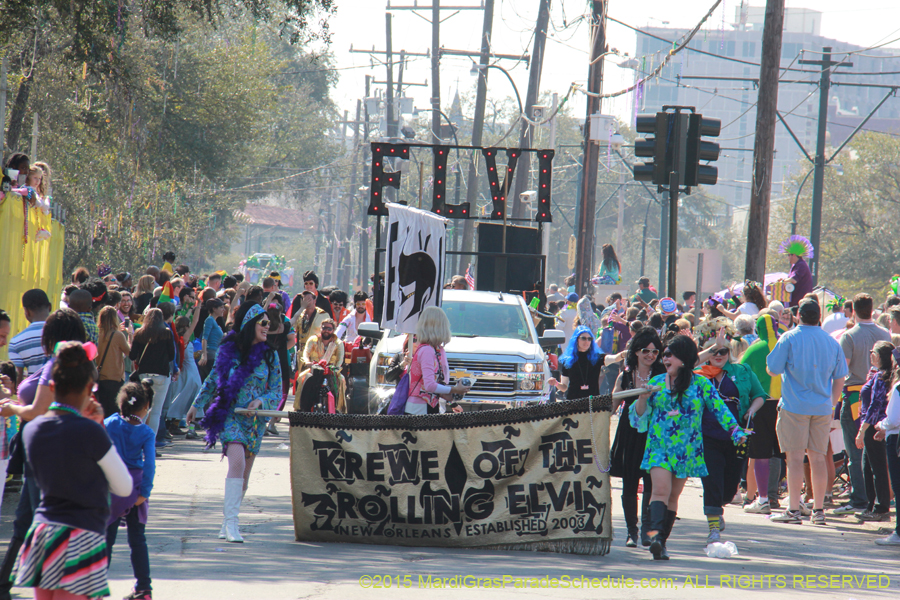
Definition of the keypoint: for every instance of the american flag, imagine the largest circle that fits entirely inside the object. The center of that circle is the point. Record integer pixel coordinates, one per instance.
(469, 279)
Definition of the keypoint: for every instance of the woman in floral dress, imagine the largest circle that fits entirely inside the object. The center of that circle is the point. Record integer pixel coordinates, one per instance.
(672, 419)
(247, 374)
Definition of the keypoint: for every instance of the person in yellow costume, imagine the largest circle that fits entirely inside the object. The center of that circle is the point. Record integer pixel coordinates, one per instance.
(324, 357)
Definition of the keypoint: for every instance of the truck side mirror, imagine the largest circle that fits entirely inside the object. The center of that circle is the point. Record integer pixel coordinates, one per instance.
(371, 330)
(551, 338)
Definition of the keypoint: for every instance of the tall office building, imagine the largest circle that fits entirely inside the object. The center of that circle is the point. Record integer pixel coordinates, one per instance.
(738, 50)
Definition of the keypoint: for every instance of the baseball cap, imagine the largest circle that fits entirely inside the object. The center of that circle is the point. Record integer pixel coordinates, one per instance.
(668, 306)
(810, 309)
(572, 297)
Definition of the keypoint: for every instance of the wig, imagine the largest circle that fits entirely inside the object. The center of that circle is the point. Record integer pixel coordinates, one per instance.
(570, 356)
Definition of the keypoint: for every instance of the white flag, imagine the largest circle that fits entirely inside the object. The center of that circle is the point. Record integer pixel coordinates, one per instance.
(415, 266)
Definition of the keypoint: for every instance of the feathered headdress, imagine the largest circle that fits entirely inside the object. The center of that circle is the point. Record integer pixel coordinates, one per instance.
(798, 245)
(836, 302)
(895, 284)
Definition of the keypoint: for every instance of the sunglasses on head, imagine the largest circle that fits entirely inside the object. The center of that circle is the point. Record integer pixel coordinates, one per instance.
(649, 351)
(721, 352)
(667, 354)
(264, 323)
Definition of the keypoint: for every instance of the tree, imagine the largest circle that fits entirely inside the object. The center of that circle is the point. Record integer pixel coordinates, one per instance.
(860, 229)
(92, 36)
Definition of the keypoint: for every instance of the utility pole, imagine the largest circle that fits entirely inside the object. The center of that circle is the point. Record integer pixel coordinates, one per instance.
(389, 96)
(764, 145)
(588, 188)
(4, 66)
(436, 71)
(351, 201)
(478, 124)
(364, 235)
(523, 167)
(826, 65)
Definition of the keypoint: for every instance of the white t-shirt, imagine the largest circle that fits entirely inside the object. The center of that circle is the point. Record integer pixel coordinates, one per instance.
(748, 308)
(568, 326)
(834, 322)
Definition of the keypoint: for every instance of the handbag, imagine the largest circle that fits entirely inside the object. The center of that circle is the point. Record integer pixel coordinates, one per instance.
(401, 394)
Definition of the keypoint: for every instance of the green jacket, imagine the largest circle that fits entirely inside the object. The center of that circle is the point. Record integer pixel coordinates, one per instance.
(747, 384)
(755, 356)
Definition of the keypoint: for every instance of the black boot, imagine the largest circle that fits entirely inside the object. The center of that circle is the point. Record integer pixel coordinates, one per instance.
(629, 509)
(645, 513)
(667, 530)
(657, 523)
(9, 561)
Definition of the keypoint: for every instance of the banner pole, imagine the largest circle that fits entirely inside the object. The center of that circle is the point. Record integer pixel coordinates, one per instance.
(616, 396)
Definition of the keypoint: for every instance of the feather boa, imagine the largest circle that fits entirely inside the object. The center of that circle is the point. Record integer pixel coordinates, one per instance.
(229, 387)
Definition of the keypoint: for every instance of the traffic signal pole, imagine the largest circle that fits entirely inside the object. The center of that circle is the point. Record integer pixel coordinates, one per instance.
(673, 233)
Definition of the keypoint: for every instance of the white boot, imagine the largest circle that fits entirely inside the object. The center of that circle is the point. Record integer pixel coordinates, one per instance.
(222, 530)
(234, 488)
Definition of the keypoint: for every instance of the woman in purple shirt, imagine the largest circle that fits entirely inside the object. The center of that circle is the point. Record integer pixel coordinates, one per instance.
(798, 248)
(873, 399)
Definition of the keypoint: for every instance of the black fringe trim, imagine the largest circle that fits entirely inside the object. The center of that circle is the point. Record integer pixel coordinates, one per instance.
(465, 420)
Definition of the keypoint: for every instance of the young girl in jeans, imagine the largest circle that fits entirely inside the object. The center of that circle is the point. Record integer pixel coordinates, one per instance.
(76, 467)
(136, 444)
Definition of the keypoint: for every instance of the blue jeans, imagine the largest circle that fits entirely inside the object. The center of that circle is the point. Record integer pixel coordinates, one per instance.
(28, 502)
(137, 541)
(850, 428)
(160, 389)
(892, 441)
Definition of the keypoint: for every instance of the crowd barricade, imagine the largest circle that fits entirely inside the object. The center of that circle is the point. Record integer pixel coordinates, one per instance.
(32, 244)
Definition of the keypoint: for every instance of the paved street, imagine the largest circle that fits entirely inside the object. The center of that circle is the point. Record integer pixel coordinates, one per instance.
(188, 561)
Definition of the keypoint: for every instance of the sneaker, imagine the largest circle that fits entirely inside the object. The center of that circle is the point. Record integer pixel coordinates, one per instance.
(174, 429)
(738, 499)
(163, 443)
(829, 502)
(788, 516)
(817, 518)
(869, 515)
(846, 509)
(139, 595)
(774, 504)
(191, 435)
(721, 522)
(891, 540)
(713, 537)
(805, 509)
(758, 508)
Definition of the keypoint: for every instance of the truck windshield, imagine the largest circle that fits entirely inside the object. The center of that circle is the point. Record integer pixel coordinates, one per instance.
(473, 319)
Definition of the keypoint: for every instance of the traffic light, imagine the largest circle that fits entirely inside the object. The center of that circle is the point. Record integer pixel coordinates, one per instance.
(657, 171)
(697, 150)
(545, 179)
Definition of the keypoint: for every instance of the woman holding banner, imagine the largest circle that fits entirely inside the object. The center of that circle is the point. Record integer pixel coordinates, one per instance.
(672, 419)
(247, 374)
(429, 372)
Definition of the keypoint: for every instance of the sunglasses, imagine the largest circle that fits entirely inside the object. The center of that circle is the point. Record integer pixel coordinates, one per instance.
(264, 323)
(585, 339)
(649, 352)
(328, 329)
(667, 354)
(721, 352)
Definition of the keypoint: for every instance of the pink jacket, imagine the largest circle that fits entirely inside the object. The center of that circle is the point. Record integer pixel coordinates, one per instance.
(423, 383)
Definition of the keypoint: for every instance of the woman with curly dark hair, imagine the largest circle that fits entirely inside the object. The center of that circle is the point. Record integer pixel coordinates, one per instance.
(641, 364)
(247, 374)
(672, 420)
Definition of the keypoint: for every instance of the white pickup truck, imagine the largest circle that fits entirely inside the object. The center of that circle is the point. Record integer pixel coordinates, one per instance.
(494, 341)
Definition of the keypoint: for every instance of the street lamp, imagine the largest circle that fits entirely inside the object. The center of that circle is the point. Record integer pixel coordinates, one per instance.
(477, 68)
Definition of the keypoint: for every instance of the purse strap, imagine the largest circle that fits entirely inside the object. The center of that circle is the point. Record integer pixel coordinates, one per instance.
(105, 352)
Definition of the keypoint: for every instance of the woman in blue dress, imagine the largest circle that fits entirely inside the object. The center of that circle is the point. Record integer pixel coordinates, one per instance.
(247, 374)
(672, 419)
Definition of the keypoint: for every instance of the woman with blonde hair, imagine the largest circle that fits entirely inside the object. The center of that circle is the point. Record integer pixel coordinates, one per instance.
(112, 347)
(429, 373)
(143, 293)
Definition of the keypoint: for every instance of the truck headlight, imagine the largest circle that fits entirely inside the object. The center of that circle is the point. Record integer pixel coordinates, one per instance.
(531, 367)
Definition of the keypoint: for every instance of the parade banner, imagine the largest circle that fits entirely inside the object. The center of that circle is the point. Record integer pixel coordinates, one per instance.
(414, 273)
(532, 478)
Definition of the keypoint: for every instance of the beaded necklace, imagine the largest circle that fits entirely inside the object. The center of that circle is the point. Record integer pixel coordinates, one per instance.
(64, 408)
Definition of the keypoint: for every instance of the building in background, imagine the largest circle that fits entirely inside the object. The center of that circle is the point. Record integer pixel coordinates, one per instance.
(738, 48)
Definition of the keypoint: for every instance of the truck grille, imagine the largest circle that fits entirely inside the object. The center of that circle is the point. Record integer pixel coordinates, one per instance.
(493, 378)
(479, 366)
